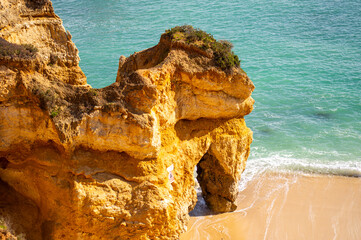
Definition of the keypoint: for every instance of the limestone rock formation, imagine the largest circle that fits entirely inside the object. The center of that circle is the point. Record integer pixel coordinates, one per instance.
(34, 22)
(116, 162)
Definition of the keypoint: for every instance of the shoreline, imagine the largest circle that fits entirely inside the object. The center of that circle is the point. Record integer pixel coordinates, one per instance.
(287, 206)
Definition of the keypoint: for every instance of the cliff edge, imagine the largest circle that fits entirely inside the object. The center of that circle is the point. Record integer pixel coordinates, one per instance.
(116, 162)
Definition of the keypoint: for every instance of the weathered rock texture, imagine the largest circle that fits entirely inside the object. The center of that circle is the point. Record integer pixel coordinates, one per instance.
(83, 163)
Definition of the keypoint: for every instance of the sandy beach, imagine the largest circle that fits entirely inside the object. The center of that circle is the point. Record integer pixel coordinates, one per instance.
(286, 206)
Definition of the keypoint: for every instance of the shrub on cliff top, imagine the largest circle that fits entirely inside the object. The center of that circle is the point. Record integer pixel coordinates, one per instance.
(223, 55)
(16, 50)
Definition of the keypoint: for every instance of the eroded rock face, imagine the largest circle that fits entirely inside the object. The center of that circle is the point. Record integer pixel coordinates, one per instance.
(34, 22)
(83, 163)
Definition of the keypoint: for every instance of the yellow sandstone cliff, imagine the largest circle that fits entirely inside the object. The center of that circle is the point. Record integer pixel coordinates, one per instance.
(83, 163)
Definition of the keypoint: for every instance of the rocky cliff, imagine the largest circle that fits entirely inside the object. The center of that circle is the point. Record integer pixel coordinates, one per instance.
(116, 162)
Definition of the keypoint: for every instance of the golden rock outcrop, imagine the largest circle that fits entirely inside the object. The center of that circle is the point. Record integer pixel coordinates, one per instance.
(116, 162)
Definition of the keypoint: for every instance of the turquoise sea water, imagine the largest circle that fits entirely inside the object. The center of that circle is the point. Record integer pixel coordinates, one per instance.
(304, 58)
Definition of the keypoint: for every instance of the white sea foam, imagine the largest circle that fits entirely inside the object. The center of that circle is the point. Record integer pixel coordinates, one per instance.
(284, 162)
(287, 163)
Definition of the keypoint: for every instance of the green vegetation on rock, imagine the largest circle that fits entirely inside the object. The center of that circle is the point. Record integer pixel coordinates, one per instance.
(54, 112)
(223, 55)
(15, 50)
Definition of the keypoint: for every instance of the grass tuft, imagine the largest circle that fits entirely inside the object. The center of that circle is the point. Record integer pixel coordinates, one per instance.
(55, 112)
(223, 55)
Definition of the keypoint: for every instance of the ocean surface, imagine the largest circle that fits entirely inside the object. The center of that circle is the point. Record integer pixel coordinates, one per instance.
(304, 58)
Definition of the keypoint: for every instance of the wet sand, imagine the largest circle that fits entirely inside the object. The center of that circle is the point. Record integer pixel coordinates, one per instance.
(285, 206)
